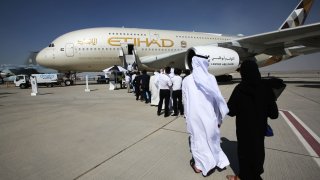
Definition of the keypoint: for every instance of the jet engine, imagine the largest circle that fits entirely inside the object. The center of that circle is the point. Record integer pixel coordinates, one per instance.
(221, 60)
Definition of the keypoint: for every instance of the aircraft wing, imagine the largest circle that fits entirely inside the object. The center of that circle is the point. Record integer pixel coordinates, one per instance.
(173, 59)
(292, 41)
(299, 40)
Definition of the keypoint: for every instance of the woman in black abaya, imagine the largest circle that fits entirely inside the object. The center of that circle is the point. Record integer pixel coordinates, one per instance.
(252, 103)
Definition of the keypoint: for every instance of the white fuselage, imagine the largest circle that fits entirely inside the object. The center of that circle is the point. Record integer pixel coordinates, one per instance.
(98, 48)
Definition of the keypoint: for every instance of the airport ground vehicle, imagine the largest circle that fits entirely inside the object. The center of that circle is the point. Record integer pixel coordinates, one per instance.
(102, 79)
(49, 80)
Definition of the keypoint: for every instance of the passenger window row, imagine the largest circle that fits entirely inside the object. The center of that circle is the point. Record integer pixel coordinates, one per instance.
(110, 49)
(128, 34)
(198, 37)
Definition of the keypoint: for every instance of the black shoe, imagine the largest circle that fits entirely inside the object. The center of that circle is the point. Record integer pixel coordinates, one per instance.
(158, 113)
(174, 115)
(166, 115)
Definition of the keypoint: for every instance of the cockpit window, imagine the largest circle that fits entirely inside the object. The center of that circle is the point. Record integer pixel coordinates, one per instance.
(51, 45)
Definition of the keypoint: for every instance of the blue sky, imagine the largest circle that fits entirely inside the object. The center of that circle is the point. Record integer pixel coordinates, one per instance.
(31, 25)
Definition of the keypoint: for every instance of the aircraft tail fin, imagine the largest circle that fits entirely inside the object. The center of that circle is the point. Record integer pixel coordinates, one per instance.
(298, 15)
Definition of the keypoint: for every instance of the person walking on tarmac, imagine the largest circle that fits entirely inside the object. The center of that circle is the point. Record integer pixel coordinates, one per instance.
(165, 84)
(252, 102)
(145, 80)
(137, 85)
(204, 109)
(177, 93)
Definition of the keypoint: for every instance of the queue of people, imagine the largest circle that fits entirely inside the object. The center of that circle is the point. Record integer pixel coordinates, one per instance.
(197, 97)
(162, 89)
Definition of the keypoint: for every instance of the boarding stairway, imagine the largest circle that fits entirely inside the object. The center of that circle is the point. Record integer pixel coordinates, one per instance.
(128, 56)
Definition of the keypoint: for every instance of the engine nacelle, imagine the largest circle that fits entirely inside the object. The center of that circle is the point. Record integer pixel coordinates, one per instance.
(221, 60)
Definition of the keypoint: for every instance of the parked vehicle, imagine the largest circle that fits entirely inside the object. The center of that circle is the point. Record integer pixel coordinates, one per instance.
(102, 79)
(49, 80)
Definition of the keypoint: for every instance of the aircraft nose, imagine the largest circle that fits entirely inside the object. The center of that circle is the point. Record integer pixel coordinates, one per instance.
(42, 58)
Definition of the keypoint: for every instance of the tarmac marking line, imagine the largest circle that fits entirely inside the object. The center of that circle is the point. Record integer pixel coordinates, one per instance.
(304, 96)
(307, 137)
(121, 151)
(290, 152)
(175, 131)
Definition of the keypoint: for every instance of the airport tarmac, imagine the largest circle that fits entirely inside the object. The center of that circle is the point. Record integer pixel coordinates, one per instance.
(67, 133)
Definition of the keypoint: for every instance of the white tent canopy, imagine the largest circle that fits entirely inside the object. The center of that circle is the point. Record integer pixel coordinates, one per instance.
(114, 68)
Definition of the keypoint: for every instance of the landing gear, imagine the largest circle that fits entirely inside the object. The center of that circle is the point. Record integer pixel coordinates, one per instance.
(224, 78)
(69, 78)
(68, 82)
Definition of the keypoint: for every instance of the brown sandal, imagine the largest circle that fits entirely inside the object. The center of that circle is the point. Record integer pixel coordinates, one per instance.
(232, 177)
(192, 164)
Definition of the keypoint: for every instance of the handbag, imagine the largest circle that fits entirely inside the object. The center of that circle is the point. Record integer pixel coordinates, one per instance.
(277, 85)
(269, 131)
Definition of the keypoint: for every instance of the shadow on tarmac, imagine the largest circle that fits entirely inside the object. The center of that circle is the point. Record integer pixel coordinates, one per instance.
(301, 82)
(310, 86)
(230, 149)
(41, 94)
(5, 93)
(94, 89)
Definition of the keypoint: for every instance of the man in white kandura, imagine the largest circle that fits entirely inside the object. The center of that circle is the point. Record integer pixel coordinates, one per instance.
(204, 109)
(154, 88)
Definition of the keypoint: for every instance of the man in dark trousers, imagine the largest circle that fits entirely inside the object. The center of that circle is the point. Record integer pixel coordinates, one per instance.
(252, 102)
(137, 85)
(145, 80)
(177, 92)
(165, 84)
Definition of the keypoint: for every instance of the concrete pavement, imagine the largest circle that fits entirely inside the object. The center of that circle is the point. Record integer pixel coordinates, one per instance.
(66, 133)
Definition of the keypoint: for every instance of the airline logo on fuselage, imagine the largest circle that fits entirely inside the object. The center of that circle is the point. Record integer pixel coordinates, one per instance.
(91, 41)
(116, 41)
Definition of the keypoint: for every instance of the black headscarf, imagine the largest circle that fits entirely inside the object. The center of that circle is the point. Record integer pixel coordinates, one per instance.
(250, 73)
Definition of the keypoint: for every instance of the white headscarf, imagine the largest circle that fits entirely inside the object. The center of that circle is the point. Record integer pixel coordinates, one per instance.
(208, 84)
(201, 75)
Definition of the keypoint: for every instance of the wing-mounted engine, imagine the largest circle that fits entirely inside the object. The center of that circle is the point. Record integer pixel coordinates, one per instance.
(221, 60)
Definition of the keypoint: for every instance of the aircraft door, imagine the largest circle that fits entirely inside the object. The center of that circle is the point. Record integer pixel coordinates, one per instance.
(69, 50)
(128, 56)
(127, 49)
(130, 49)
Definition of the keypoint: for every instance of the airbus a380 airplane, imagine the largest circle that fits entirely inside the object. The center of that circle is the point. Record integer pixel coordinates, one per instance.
(98, 48)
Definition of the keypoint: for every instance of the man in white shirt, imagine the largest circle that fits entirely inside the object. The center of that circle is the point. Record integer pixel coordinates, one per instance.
(129, 68)
(177, 93)
(164, 83)
(127, 80)
(132, 78)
